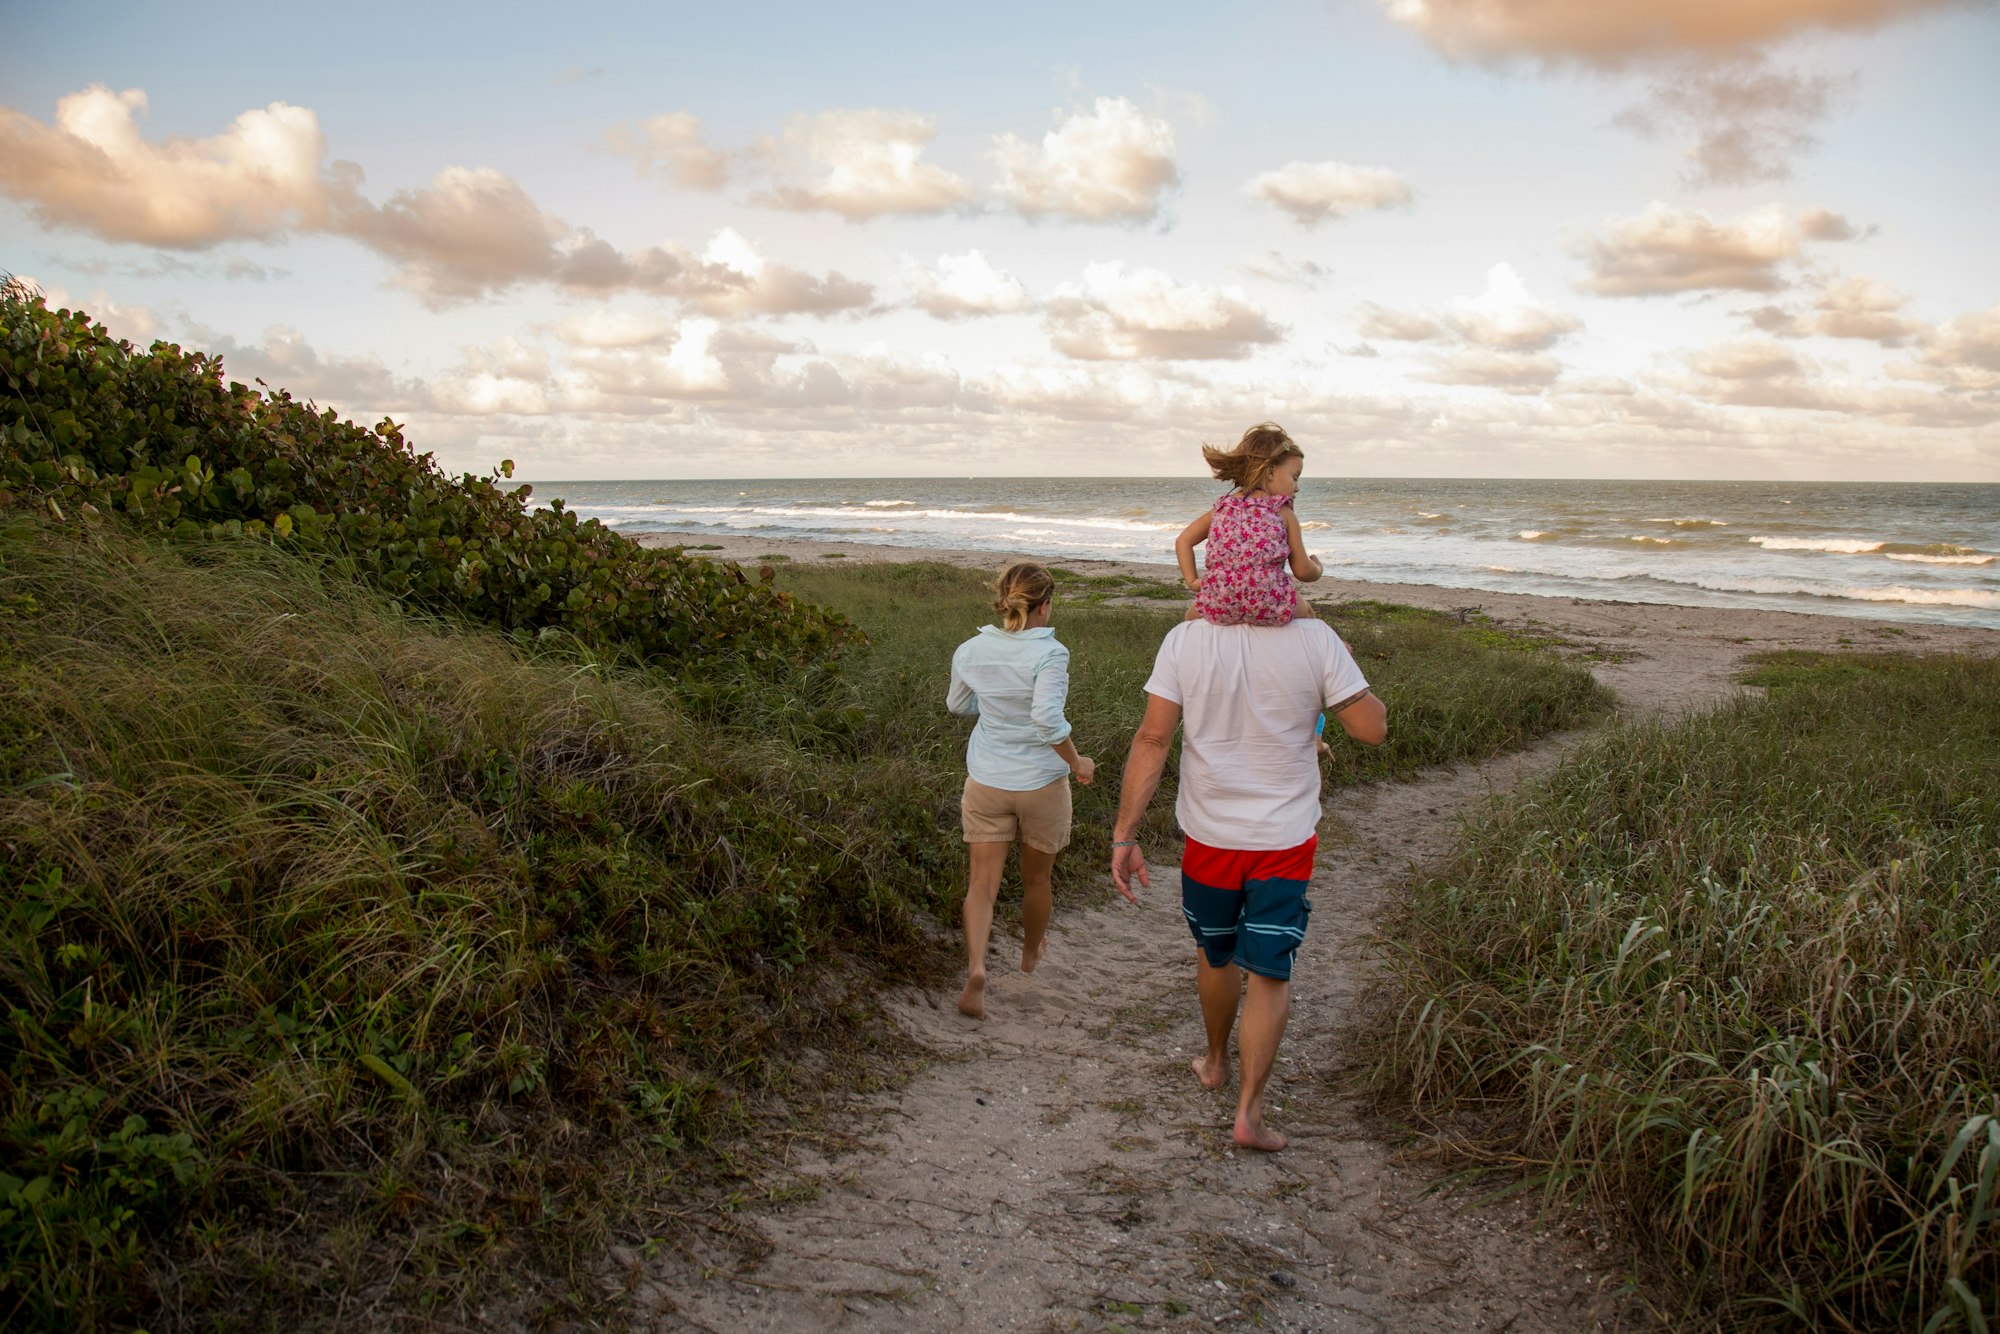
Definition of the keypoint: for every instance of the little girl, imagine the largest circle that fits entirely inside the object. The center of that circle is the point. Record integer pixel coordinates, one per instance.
(1252, 535)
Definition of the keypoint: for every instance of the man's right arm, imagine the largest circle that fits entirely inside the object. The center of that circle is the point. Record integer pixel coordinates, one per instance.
(1143, 767)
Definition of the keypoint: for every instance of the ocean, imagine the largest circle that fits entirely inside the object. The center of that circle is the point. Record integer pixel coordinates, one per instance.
(1903, 552)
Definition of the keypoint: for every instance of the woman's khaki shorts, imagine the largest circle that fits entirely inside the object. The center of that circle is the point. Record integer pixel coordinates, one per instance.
(1038, 817)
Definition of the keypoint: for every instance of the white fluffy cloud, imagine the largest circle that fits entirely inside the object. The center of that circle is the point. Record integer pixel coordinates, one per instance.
(1665, 250)
(1400, 326)
(1506, 319)
(1316, 192)
(91, 168)
(1116, 315)
(964, 285)
(860, 165)
(670, 145)
(1112, 163)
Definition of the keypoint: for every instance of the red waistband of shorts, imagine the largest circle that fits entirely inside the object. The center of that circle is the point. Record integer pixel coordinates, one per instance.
(1228, 868)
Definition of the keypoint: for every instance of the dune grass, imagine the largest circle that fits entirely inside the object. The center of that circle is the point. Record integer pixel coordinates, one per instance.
(349, 956)
(1735, 977)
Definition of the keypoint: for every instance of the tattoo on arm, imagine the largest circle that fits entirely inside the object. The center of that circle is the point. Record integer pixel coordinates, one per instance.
(1354, 698)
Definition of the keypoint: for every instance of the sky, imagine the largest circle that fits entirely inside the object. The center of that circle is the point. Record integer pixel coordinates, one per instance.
(1703, 239)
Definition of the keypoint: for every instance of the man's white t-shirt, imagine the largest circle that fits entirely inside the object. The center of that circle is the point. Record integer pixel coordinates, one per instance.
(1249, 696)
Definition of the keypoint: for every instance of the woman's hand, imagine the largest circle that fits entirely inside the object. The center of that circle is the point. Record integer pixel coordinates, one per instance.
(1084, 769)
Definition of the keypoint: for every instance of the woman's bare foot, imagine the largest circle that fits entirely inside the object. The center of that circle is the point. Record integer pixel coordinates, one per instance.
(972, 1000)
(1031, 955)
(1252, 1133)
(1213, 1072)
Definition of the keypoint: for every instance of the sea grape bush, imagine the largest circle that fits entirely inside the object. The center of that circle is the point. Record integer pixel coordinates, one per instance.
(91, 426)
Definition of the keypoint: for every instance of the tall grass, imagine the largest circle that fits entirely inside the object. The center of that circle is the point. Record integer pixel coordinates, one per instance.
(347, 952)
(1739, 977)
(332, 932)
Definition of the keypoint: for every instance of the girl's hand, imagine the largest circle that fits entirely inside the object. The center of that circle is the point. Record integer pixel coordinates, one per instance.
(1193, 585)
(1085, 769)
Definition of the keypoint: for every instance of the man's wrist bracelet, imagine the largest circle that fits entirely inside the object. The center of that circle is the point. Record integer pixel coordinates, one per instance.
(1125, 843)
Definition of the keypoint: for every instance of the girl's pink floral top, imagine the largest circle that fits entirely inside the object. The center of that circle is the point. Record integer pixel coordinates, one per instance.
(1245, 580)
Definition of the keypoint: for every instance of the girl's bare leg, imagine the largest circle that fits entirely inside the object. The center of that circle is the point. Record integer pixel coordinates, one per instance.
(1038, 903)
(1193, 613)
(1301, 609)
(982, 887)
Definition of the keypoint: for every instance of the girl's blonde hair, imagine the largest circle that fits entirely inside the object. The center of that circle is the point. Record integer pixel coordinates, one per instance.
(1261, 449)
(1021, 587)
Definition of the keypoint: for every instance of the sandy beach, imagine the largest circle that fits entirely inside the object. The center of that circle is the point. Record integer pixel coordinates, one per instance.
(1659, 656)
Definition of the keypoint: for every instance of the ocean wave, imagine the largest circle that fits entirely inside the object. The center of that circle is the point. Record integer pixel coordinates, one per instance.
(1656, 541)
(1314, 524)
(1925, 558)
(885, 504)
(1693, 523)
(1844, 546)
(1100, 522)
(1533, 534)
(1426, 514)
(1985, 598)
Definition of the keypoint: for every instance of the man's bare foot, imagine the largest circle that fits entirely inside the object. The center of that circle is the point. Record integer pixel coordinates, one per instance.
(1252, 1133)
(1031, 955)
(1212, 1072)
(972, 1000)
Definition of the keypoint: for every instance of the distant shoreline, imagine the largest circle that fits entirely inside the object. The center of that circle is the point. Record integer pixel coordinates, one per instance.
(1659, 650)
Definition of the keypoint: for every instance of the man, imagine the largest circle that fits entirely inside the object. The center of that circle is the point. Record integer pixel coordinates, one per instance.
(1249, 805)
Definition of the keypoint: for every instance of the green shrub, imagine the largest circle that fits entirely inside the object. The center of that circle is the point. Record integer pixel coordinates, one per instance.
(90, 428)
(1735, 977)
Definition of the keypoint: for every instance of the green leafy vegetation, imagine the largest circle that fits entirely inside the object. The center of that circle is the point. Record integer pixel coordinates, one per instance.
(1735, 976)
(91, 427)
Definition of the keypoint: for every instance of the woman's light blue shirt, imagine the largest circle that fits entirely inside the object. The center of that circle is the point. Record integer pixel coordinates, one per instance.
(1015, 682)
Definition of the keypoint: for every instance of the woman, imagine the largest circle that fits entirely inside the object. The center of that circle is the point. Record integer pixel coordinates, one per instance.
(1014, 678)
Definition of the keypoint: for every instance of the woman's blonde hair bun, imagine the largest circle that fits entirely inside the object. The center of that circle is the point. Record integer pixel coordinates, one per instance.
(1021, 587)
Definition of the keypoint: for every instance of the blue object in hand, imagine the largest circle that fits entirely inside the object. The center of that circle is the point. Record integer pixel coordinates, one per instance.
(1319, 728)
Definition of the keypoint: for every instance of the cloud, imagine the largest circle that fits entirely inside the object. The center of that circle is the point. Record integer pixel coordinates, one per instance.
(1316, 192)
(360, 387)
(1499, 334)
(1514, 372)
(1274, 267)
(262, 177)
(1112, 163)
(670, 146)
(472, 232)
(1857, 308)
(1963, 353)
(733, 278)
(1748, 120)
(860, 165)
(1863, 308)
(1113, 315)
(1819, 224)
(965, 285)
(1402, 326)
(602, 326)
(1505, 318)
(1753, 374)
(576, 73)
(1666, 250)
(1616, 32)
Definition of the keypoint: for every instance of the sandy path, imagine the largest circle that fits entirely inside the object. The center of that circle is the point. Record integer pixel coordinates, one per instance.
(1059, 1168)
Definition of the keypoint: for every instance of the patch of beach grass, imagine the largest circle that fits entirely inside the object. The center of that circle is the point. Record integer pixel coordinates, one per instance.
(344, 951)
(1734, 977)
